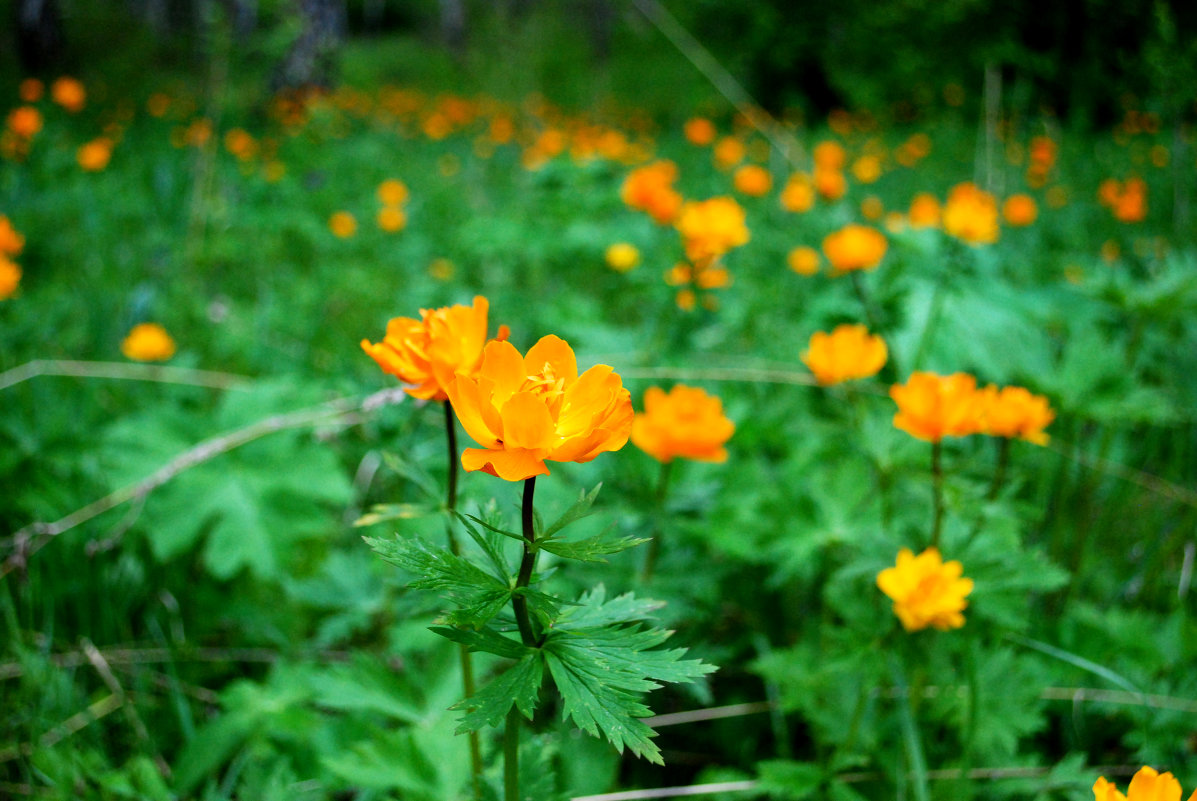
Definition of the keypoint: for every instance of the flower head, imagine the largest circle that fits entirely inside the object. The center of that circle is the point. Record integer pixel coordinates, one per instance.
(10, 277)
(924, 211)
(752, 180)
(926, 590)
(428, 353)
(11, 240)
(710, 228)
(798, 195)
(1020, 210)
(699, 131)
(804, 260)
(650, 189)
(69, 93)
(392, 192)
(94, 155)
(848, 352)
(24, 121)
(391, 219)
(148, 342)
(622, 256)
(1146, 785)
(1014, 412)
(686, 422)
(932, 406)
(855, 247)
(524, 410)
(342, 224)
(971, 214)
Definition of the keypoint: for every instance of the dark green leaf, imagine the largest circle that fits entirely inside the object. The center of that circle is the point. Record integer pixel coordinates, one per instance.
(574, 513)
(517, 685)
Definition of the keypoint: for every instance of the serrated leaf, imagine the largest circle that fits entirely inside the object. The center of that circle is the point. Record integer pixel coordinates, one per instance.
(517, 685)
(488, 640)
(492, 527)
(591, 549)
(489, 546)
(579, 510)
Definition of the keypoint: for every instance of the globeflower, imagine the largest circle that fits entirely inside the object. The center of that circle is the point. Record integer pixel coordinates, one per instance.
(10, 277)
(430, 352)
(68, 93)
(798, 195)
(1020, 210)
(685, 422)
(342, 224)
(926, 591)
(650, 189)
(971, 214)
(392, 192)
(848, 352)
(11, 240)
(931, 407)
(94, 155)
(710, 228)
(1014, 412)
(622, 256)
(803, 260)
(752, 180)
(855, 247)
(699, 131)
(526, 410)
(391, 219)
(1146, 785)
(924, 211)
(729, 151)
(148, 342)
(24, 122)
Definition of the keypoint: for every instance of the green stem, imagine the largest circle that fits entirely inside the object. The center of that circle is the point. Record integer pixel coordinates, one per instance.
(511, 755)
(861, 295)
(519, 603)
(999, 472)
(936, 492)
(654, 545)
(463, 652)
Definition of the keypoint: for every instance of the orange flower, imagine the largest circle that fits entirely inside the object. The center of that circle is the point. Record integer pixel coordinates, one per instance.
(391, 219)
(622, 257)
(10, 277)
(704, 275)
(699, 131)
(94, 155)
(1015, 412)
(1131, 204)
(24, 121)
(1020, 210)
(240, 143)
(971, 214)
(148, 342)
(752, 180)
(710, 228)
(342, 224)
(924, 211)
(524, 410)
(11, 240)
(926, 590)
(855, 247)
(1146, 785)
(803, 260)
(687, 422)
(848, 352)
(31, 90)
(729, 151)
(798, 195)
(650, 189)
(830, 155)
(867, 169)
(830, 184)
(428, 353)
(68, 93)
(932, 406)
(392, 192)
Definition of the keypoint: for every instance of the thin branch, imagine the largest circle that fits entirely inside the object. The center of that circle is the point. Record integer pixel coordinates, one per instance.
(114, 686)
(713, 713)
(123, 371)
(32, 538)
(105, 706)
(671, 792)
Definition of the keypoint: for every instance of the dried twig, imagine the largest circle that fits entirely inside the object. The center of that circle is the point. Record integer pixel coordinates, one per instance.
(106, 675)
(123, 371)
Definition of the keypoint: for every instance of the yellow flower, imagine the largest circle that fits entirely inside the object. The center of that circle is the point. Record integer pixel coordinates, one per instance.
(428, 353)
(1020, 210)
(524, 410)
(932, 406)
(68, 93)
(803, 260)
(1146, 785)
(710, 228)
(686, 422)
(622, 257)
(855, 247)
(391, 219)
(148, 342)
(867, 169)
(752, 180)
(1014, 412)
(342, 224)
(971, 214)
(10, 277)
(392, 192)
(94, 156)
(848, 352)
(926, 591)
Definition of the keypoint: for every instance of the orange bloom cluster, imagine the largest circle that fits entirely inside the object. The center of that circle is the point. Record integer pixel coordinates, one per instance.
(430, 352)
(392, 194)
(11, 245)
(526, 410)
(829, 179)
(971, 214)
(1020, 210)
(650, 189)
(932, 407)
(855, 247)
(148, 342)
(1127, 200)
(847, 353)
(926, 590)
(686, 422)
(1147, 784)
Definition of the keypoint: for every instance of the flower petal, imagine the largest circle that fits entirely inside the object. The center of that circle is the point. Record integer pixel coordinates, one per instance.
(527, 422)
(471, 409)
(515, 464)
(555, 351)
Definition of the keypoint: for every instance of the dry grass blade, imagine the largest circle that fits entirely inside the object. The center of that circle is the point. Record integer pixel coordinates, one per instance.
(123, 371)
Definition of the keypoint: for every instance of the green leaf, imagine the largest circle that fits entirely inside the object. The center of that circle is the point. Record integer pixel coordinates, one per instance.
(791, 781)
(492, 527)
(591, 549)
(393, 511)
(489, 546)
(579, 510)
(488, 640)
(517, 685)
(412, 471)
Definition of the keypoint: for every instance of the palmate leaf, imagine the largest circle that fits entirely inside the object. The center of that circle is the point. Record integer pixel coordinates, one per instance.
(517, 685)
(599, 659)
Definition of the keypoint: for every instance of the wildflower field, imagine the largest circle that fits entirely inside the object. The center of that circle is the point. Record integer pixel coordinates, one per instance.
(423, 441)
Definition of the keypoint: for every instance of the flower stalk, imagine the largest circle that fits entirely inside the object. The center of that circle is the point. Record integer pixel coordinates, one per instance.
(654, 545)
(519, 605)
(936, 492)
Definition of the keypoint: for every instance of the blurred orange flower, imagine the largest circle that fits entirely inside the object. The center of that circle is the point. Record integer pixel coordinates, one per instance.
(971, 214)
(866, 169)
(24, 121)
(848, 352)
(31, 90)
(524, 410)
(1015, 412)
(926, 591)
(729, 151)
(391, 219)
(148, 342)
(68, 93)
(686, 422)
(710, 228)
(855, 247)
(752, 180)
(392, 192)
(924, 211)
(829, 155)
(798, 195)
(342, 224)
(1020, 210)
(10, 277)
(94, 155)
(830, 184)
(11, 240)
(932, 407)
(650, 189)
(699, 131)
(428, 353)
(804, 260)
